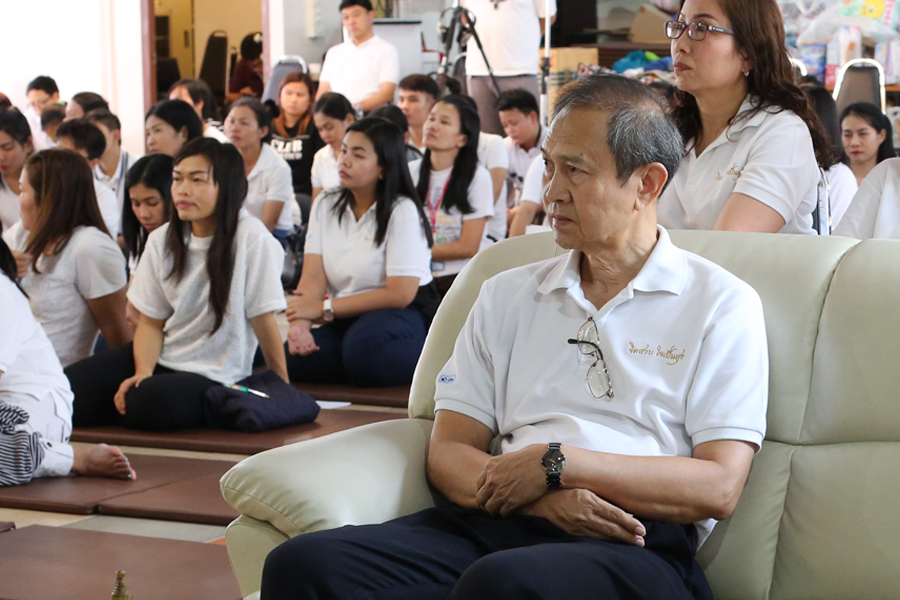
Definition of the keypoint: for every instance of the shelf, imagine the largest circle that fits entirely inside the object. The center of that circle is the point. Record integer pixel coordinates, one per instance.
(887, 88)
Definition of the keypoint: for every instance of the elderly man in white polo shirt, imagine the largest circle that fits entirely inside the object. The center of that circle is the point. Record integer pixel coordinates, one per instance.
(365, 69)
(599, 412)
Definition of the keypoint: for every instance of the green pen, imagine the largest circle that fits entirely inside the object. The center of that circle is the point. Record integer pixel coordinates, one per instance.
(247, 390)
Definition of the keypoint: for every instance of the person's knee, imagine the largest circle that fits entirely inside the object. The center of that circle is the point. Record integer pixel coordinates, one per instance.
(301, 565)
(382, 348)
(497, 576)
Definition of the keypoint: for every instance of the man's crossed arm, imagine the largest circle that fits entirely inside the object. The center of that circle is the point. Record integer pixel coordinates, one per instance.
(600, 492)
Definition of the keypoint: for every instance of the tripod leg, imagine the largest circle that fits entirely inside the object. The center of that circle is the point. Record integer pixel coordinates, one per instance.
(487, 64)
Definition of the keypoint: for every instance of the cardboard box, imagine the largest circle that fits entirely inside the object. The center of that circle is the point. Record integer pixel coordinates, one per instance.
(563, 64)
(649, 26)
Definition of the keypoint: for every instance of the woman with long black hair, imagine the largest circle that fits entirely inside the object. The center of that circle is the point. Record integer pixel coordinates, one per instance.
(456, 190)
(15, 148)
(868, 138)
(366, 271)
(207, 288)
(36, 401)
(332, 115)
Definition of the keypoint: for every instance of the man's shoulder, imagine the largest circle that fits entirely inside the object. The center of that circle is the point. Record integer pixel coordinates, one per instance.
(714, 283)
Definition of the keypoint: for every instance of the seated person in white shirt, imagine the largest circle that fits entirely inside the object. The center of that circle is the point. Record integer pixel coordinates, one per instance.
(36, 401)
(521, 119)
(115, 162)
(149, 207)
(532, 203)
(394, 115)
(71, 269)
(455, 189)
(15, 147)
(42, 92)
(197, 93)
(270, 194)
(560, 437)
(365, 68)
(875, 210)
(333, 114)
(51, 118)
(85, 138)
(366, 270)
(169, 125)
(207, 289)
(418, 93)
(754, 143)
(493, 156)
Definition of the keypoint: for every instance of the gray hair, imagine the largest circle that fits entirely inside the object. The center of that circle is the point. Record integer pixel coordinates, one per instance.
(640, 132)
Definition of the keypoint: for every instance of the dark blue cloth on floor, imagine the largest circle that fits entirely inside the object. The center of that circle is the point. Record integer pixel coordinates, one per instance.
(232, 409)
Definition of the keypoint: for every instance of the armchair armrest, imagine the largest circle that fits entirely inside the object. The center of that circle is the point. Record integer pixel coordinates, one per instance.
(369, 474)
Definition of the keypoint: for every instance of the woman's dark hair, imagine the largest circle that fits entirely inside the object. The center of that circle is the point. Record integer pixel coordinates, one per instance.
(154, 172)
(199, 91)
(395, 181)
(759, 38)
(180, 115)
(466, 162)
(872, 115)
(278, 123)
(8, 265)
(64, 194)
(252, 46)
(823, 103)
(392, 114)
(262, 112)
(14, 124)
(227, 171)
(89, 101)
(5, 102)
(334, 105)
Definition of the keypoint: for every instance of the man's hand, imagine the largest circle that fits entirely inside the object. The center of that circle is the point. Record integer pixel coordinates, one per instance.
(511, 481)
(303, 307)
(583, 513)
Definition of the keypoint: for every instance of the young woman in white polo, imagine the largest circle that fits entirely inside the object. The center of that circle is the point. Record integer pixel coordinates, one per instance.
(753, 143)
(366, 271)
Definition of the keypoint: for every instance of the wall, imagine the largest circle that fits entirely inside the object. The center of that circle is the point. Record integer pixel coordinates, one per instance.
(237, 17)
(108, 60)
(181, 31)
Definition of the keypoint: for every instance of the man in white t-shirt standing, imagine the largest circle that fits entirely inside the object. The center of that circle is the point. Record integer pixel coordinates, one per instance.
(600, 409)
(365, 69)
(510, 32)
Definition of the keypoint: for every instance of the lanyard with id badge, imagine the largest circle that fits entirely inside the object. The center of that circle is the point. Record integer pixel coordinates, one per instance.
(442, 225)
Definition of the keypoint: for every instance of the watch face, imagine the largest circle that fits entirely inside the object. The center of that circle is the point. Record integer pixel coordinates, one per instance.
(553, 460)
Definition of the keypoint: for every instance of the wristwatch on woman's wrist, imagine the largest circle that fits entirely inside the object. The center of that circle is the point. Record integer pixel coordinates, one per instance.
(327, 313)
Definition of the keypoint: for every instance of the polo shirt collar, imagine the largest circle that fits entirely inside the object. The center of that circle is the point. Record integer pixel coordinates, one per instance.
(664, 271)
(749, 104)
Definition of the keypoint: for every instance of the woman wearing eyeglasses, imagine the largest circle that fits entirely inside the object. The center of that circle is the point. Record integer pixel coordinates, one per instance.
(753, 143)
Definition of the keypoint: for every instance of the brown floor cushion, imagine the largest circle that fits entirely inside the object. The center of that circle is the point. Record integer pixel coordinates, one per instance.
(235, 442)
(50, 563)
(195, 500)
(6, 526)
(81, 495)
(397, 397)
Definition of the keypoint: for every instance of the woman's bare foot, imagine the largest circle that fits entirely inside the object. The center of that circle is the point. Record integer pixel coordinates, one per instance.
(102, 461)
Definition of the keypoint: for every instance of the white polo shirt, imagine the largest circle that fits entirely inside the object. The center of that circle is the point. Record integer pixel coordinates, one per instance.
(271, 180)
(519, 162)
(447, 225)
(492, 154)
(510, 31)
(9, 205)
(353, 263)
(357, 72)
(875, 210)
(117, 182)
(768, 157)
(109, 208)
(685, 343)
(325, 172)
(842, 187)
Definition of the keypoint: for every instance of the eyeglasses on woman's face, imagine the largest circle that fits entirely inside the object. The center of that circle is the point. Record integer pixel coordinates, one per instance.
(696, 31)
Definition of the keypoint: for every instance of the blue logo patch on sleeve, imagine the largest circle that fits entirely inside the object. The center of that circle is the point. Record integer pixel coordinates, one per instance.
(447, 379)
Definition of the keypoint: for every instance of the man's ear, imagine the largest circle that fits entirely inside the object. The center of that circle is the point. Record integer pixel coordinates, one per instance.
(651, 179)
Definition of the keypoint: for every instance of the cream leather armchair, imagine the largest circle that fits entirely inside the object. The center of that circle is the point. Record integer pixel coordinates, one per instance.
(820, 515)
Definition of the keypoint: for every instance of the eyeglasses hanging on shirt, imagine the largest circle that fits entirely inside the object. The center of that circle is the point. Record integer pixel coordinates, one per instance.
(588, 342)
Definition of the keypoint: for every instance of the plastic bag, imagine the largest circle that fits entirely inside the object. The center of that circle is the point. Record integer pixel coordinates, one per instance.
(852, 12)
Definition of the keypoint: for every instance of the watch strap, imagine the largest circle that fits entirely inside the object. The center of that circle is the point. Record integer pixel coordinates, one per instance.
(553, 480)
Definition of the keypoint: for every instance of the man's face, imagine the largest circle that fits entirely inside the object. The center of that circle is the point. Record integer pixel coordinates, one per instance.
(585, 201)
(358, 21)
(39, 99)
(521, 128)
(416, 106)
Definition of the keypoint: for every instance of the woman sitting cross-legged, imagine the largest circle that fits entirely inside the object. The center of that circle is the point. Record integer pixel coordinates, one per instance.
(207, 288)
(72, 271)
(35, 399)
(457, 191)
(367, 248)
